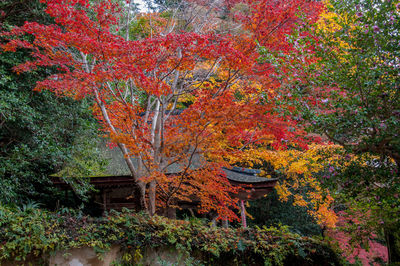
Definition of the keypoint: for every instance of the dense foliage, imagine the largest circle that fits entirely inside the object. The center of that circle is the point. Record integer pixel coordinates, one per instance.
(37, 232)
(344, 78)
(356, 77)
(270, 211)
(180, 64)
(39, 132)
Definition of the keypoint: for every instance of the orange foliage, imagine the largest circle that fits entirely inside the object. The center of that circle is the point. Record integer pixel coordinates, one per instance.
(173, 94)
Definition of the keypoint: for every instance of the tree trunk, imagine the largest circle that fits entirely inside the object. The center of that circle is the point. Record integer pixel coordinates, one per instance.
(243, 213)
(392, 246)
(171, 213)
(142, 196)
(225, 223)
(152, 198)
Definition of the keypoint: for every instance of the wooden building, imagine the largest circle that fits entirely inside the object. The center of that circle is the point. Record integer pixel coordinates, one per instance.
(117, 189)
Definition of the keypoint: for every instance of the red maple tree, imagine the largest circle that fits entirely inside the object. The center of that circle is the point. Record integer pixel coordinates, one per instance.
(170, 97)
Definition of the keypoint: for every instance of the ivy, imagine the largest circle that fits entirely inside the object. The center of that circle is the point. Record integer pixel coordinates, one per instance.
(37, 233)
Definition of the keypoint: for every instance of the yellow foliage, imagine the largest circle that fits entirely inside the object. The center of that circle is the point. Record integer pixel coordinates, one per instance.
(328, 20)
(299, 169)
(329, 23)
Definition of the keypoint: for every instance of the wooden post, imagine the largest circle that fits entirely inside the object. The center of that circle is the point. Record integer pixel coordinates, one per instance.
(214, 222)
(225, 223)
(243, 213)
(104, 200)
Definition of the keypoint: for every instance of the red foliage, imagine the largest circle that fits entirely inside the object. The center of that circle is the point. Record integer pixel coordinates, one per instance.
(136, 86)
(367, 257)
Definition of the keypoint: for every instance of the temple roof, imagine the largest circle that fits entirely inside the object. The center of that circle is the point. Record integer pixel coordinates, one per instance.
(245, 175)
(118, 169)
(117, 165)
(235, 175)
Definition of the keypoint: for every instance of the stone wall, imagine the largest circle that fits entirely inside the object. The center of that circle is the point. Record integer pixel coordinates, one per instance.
(86, 256)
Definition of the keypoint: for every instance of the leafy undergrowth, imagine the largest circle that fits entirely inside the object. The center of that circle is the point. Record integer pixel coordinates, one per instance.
(37, 233)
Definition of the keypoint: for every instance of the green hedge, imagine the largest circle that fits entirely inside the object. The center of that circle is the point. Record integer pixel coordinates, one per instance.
(35, 232)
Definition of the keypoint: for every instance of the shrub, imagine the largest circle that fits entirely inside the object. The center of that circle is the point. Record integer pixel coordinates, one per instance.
(36, 232)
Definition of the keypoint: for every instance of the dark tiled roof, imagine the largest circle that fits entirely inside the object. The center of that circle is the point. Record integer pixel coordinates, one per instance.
(246, 170)
(235, 175)
(245, 175)
(118, 167)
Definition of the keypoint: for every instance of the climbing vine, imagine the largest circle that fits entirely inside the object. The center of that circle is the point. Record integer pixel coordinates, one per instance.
(28, 232)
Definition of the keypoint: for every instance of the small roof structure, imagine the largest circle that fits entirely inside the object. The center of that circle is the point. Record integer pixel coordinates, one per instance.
(254, 186)
(117, 171)
(243, 175)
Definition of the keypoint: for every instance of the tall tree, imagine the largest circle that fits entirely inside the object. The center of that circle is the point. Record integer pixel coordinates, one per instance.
(164, 99)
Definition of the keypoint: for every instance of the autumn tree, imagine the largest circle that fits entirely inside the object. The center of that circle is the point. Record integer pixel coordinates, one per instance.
(267, 25)
(167, 97)
(346, 86)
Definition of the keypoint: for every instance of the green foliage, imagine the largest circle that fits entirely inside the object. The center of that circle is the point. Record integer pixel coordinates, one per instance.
(38, 134)
(136, 28)
(37, 232)
(362, 60)
(31, 231)
(270, 211)
(344, 77)
(16, 12)
(369, 186)
(38, 131)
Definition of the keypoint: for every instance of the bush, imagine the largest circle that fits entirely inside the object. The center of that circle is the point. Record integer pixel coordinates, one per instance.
(36, 232)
